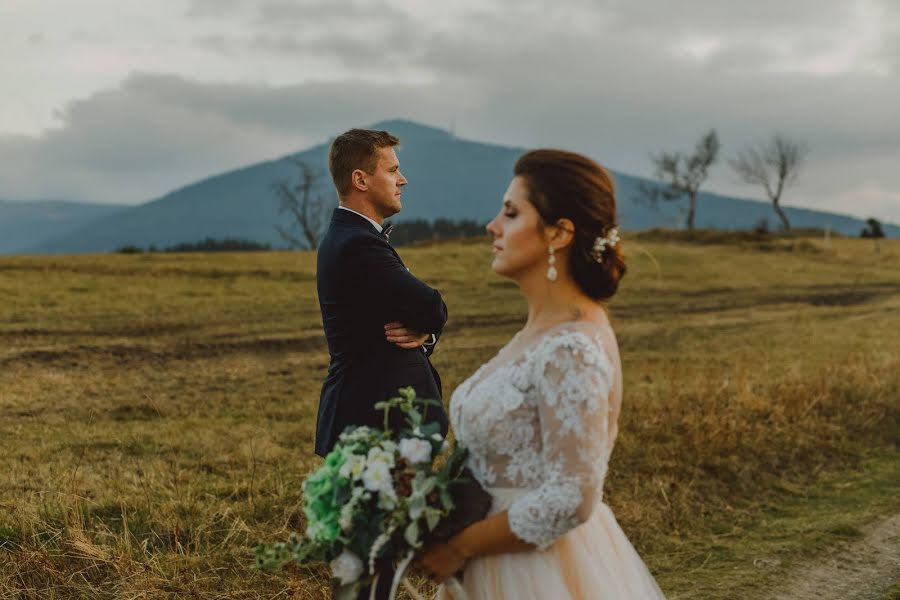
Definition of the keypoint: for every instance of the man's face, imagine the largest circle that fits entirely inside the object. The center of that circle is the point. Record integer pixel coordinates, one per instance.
(385, 183)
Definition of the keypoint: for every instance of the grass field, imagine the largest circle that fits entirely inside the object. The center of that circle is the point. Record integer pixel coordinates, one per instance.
(157, 411)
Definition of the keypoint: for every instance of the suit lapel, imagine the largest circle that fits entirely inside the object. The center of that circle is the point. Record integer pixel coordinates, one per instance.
(349, 218)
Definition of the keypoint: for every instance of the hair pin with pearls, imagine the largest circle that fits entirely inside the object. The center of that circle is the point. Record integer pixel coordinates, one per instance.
(602, 243)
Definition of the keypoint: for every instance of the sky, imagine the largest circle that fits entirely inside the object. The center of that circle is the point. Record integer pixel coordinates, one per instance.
(119, 101)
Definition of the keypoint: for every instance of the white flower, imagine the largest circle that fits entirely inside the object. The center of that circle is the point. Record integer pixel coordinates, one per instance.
(346, 518)
(346, 568)
(437, 437)
(387, 498)
(353, 467)
(377, 476)
(415, 450)
(379, 455)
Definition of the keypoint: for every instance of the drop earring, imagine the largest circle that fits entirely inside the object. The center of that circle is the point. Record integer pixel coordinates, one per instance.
(551, 260)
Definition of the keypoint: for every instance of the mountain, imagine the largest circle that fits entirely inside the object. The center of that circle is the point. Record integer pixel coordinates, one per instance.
(449, 177)
(26, 224)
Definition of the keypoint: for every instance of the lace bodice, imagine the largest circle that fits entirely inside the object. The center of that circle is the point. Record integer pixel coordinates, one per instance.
(543, 421)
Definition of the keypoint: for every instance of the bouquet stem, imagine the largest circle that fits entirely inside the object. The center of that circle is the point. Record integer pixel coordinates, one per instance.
(455, 588)
(452, 585)
(399, 574)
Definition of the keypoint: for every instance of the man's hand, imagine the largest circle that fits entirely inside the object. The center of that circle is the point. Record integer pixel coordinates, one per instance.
(398, 334)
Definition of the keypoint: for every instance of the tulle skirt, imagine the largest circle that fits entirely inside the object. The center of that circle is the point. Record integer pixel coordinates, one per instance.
(594, 561)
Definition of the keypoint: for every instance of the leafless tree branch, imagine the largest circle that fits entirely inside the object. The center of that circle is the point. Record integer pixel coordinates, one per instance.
(307, 209)
(773, 165)
(683, 173)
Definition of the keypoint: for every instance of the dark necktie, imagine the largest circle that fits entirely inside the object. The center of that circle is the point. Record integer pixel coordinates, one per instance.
(386, 232)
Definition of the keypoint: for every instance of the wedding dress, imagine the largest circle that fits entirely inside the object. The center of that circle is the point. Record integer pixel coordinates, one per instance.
(540, 426)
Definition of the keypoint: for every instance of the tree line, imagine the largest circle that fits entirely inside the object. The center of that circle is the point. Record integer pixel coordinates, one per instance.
(206, 245)
(418, 230)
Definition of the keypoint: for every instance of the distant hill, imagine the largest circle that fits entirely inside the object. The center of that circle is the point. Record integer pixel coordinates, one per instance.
(26, 224)
(449, 177)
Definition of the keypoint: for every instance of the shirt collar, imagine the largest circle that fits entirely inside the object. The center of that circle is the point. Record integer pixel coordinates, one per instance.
(374, 224)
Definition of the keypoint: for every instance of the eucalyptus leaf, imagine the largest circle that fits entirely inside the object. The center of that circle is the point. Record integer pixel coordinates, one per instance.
(432, 517)
(411, 535)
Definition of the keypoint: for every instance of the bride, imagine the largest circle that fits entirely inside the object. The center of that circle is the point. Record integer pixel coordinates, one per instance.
(540, 418)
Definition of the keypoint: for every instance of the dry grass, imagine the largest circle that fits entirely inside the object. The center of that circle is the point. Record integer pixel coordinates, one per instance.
(157, 411)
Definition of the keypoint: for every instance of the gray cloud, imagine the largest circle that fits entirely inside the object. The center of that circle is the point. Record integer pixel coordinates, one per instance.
(614, 79)
(703, 15)
(353, 34)
(218, 43)
(290, 13)
(204, 9)
(158, 132)
(339, 49)
(635, 97)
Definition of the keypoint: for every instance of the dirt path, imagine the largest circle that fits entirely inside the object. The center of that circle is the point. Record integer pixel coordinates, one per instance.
(861, 570)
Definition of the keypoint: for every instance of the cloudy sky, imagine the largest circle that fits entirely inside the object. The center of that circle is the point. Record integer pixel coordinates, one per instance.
(121, 101)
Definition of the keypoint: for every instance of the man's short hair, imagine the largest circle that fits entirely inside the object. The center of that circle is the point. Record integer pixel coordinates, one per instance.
(356, 149)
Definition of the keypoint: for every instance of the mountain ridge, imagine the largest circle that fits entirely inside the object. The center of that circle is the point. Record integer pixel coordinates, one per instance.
(25, 223)
(449, 177)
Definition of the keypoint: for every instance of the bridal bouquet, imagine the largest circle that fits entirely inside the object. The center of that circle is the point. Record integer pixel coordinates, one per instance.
(380, 496)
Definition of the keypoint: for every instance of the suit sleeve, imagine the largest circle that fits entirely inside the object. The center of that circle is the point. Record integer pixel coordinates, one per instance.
(377, 275)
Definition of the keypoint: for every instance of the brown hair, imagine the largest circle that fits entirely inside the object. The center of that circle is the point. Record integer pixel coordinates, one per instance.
(356, 149)
(565, 185)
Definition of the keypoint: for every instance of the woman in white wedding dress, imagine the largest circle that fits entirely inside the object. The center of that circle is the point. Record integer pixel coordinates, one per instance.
(540, 418)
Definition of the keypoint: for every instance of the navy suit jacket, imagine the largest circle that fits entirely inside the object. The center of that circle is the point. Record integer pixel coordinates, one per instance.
(363, 285)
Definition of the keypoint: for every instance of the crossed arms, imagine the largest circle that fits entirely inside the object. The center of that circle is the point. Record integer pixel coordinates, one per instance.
(414, 314)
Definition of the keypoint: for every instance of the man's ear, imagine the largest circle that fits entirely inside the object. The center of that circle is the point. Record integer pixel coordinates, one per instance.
(358, 179)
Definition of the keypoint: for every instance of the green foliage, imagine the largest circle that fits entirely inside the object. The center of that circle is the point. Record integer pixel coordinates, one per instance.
(346, 513)
(223, 245)
(206, 245)
(873, 229)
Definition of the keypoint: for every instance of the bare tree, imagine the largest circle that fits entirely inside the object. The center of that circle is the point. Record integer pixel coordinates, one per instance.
(774, 165)
(683, 173)
(307, 208)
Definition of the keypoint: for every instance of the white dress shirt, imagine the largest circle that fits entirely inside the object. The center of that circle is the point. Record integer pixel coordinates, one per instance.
(374, 224)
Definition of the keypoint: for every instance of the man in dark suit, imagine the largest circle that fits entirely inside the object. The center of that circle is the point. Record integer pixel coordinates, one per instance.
(381, 323)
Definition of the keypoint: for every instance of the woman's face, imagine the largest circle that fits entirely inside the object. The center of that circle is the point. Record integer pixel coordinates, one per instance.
(519, 244)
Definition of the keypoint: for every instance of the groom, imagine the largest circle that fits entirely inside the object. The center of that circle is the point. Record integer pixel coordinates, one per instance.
(381, 323)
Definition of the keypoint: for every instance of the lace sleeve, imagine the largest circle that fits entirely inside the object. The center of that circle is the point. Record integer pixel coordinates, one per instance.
(573, 381)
